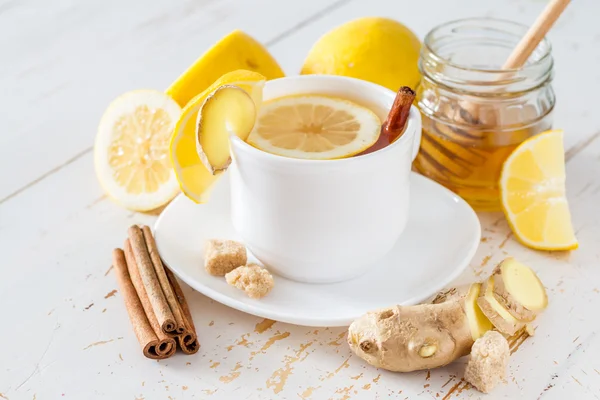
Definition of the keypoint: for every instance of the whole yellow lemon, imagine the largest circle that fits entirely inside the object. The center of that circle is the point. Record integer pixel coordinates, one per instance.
(375, 49)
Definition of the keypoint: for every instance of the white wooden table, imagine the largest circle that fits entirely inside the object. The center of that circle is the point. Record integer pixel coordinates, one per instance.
(64, 332)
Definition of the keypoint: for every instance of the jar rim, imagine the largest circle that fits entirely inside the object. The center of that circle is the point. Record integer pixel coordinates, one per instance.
(429, 38)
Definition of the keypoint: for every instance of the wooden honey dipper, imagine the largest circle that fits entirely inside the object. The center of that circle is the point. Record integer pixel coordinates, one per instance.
(535, 34)
(528, 43)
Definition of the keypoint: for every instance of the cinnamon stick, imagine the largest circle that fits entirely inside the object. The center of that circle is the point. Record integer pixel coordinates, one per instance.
(396, 120)
(162, 279)
(152, 346)
(150, 281)
(394, 125)
(136, 280)
(188, 341)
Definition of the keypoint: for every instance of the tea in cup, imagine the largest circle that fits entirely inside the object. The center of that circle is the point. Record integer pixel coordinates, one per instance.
(324, 220)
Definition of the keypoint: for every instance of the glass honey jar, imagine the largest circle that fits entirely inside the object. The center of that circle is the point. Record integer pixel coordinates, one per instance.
(474, 113)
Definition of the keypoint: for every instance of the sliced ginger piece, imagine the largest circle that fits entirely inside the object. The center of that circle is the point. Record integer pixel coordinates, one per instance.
(519, 290)
(194, 178)
(467, 295)
(498, 315)
(478, 322)
(512, 296)
(488, 362)
(228, 111)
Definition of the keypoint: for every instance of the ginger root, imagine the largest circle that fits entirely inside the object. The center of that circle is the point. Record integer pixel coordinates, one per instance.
(489, 359)
(409, 338)
(512, 296)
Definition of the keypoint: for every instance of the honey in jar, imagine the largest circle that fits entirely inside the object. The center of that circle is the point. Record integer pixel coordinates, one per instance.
(474, 113)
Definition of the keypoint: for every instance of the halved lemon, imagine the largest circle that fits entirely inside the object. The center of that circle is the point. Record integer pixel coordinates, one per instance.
(314, 127)
(532, 186)
(131, 149)
(188, 159)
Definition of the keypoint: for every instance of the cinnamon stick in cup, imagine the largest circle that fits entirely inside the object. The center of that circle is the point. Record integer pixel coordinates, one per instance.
(151, 284)
(394, 125)
(398, 115)
(152, 346)
(188, 340)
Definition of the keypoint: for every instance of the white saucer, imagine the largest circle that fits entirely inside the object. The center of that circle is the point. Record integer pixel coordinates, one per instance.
(440, 239)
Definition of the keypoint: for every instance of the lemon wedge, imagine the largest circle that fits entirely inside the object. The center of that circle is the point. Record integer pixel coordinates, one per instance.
(314, 127)
(131, 149)
(235, 51)
(532, 187)
(199, 146)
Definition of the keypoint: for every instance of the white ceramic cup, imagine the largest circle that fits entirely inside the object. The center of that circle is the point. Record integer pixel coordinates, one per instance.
(324, 221)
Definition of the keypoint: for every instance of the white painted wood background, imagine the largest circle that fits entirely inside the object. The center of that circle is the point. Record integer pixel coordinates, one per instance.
(64, 333)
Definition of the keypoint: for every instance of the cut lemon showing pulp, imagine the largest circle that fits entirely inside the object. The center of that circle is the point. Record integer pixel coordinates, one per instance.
(532, 186)
(131, 149)
(314, 127)
(198, 140)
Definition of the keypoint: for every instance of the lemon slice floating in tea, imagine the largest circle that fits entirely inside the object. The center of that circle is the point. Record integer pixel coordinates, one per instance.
(200, 144)
(314, 127)
(131, 152)
(532, 186)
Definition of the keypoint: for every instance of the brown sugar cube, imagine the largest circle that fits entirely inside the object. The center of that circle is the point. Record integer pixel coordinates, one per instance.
(256, 281)
(223, 256)
(489, 358)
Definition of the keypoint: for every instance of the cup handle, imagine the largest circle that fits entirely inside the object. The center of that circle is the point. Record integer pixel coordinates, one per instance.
(416, 119)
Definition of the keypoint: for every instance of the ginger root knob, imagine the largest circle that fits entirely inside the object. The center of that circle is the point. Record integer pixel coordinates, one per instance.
(367, 346)
(427, 350)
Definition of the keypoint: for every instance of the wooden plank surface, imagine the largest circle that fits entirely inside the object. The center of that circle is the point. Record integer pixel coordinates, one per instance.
(65, 329)
(62, 65)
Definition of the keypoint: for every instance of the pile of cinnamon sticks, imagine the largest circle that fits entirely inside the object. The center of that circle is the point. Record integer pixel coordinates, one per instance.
(154, 300)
